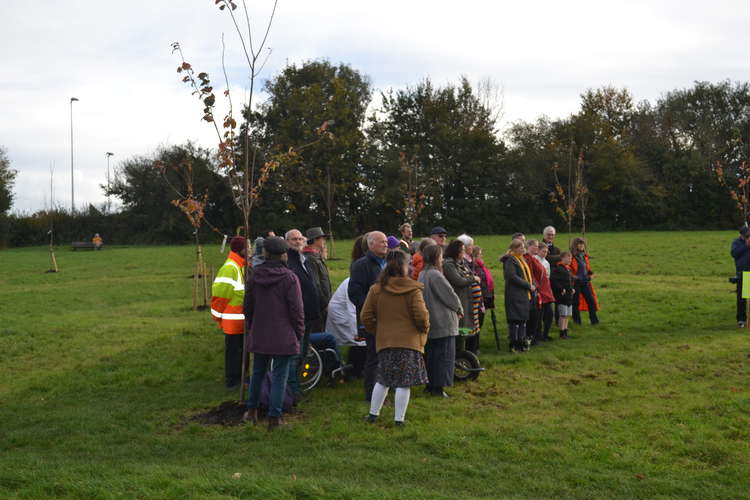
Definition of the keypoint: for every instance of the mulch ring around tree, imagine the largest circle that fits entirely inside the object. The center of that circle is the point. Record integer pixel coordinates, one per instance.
(228, 413)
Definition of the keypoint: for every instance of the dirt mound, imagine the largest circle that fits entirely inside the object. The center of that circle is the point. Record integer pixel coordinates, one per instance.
(227, 413)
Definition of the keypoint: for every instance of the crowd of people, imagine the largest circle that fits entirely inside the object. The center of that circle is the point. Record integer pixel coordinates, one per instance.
(401, 308)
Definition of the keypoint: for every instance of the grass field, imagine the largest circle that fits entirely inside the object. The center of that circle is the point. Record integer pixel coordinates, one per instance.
(102, 364)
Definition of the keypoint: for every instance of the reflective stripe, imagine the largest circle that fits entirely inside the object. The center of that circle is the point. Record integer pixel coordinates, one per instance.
(235, 284)
(227, 315)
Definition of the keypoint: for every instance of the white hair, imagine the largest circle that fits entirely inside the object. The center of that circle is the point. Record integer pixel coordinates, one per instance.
(371, 236)
(549, 229)
(466, 240)
(289, 233)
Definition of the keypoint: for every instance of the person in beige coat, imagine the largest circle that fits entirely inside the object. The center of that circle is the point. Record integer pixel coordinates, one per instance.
(395, 312)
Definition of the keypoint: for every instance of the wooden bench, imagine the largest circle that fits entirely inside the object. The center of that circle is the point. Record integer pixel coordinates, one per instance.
(84, 245)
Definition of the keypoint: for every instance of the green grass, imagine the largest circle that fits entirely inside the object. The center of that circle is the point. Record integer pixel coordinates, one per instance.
(101, 364)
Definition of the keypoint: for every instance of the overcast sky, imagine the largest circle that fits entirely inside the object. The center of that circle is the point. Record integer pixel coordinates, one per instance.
(115, 57)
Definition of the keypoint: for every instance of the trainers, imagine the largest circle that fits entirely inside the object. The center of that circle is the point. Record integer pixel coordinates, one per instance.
(370, 419)
(741, 324)
(399, 423)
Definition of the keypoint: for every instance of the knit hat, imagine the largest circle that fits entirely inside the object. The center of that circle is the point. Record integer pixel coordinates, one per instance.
(275, 245)
(393, 242)
(237, 244)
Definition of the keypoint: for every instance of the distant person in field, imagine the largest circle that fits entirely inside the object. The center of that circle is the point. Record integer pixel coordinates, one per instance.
(477, 304)
(407, 238)
(417, 261)
(445, 309)
(741, 254)
(275, 320)
(548, 240)
(533, 326)
(227, 294)
(580, 267)
(486, 281)
(564, 290)
(297, 263)
(545, 292)
(364, 274)
(315, 262)
(439, 235)
(463, 282)
(519, 288)
(395, 314)
(97, 241)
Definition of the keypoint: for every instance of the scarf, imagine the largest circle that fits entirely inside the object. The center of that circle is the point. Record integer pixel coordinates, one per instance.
(526, 271)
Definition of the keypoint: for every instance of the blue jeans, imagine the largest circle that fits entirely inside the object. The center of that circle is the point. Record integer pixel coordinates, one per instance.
(323, 340)
(279, 374)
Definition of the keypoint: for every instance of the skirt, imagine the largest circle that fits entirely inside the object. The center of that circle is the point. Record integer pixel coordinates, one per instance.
(440, 355)
(399, 367)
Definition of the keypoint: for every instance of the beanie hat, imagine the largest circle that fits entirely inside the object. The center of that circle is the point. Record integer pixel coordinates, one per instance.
(393, 242)
(237, 244)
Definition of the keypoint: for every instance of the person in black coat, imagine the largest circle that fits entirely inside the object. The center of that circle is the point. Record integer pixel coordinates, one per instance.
(741, 254)
(310, 299)
(548, 239)
(364, 273)
(518, 293)
(564, 291)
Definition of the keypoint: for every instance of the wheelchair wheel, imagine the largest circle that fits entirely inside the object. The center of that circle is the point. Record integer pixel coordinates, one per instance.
(310, 370)
(467, 366)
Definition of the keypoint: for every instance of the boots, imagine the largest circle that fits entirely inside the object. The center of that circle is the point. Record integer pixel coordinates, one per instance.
(514, 345)
(523, 340)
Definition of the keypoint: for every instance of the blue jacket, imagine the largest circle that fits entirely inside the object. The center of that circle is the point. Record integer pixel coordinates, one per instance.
(364, 273)
(741, 254)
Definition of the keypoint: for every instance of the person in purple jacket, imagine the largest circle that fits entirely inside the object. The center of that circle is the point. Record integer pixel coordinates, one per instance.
(275, 323)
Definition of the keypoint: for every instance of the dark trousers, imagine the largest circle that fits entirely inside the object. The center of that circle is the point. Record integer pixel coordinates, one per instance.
(741, 312)
(547, 316)
(472, 343)
(583, 288)
(232, 359)
(371, 366)
(440, 361)
(532, 325)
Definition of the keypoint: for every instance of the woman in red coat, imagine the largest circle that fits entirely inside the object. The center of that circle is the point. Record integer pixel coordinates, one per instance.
(580, 268)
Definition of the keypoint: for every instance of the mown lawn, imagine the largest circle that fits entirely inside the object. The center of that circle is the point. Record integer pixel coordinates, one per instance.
(102, 364)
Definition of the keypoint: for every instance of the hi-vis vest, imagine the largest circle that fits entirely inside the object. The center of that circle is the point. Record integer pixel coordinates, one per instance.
(228, 294)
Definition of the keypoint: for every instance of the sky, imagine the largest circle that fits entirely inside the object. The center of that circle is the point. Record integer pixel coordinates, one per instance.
(115, 57)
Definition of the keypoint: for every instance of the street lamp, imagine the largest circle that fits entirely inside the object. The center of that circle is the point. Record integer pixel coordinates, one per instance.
(72, 188)
(108, 155)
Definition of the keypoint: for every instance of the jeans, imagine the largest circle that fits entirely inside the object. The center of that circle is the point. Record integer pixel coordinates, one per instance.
(323, 340)
(279, 374)
(584, 288)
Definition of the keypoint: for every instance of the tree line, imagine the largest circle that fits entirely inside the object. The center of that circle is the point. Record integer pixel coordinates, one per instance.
(434, 155)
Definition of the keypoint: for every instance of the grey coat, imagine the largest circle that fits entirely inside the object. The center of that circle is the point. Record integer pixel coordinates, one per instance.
(461, 279)
(442, 303)
(517, 301)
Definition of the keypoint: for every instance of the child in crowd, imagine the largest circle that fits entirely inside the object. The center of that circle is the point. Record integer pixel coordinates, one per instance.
(562, 287)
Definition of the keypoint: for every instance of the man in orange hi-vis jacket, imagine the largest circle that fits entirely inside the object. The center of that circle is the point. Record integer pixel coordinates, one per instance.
(227, 296)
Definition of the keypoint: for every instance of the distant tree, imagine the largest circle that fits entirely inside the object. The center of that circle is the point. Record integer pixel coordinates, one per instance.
(318, 109)
(146, 198)
(7, 180)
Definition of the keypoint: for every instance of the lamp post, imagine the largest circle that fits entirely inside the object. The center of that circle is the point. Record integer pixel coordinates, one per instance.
(108, 155)
(72, 185)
